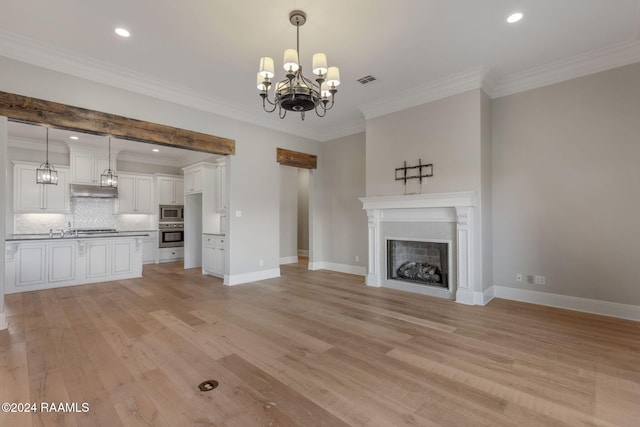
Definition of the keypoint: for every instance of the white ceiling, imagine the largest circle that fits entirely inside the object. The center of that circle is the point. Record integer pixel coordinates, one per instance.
(33, 137)
(205, 53)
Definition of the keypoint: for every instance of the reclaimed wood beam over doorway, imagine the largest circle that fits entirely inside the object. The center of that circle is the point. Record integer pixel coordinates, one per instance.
(61, 116)
(296, 159)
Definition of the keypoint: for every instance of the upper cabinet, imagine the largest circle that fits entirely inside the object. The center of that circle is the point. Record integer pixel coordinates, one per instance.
(170, 190)
(87, 166)
(135, 194)
(193, 180)
(31, 197)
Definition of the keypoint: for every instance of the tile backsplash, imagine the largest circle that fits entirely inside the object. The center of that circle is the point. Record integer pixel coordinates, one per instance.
(86, 213)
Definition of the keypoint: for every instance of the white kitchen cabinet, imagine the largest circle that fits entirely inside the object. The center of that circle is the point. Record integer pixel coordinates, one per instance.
(149, 248)
(213, 255)
(122, 257)
(192, 180)
(52, 263)
(98, 258)
(31, 262)
(28, 196)
(170, 190)
(86, 166)
(135, 194)
(61, 261)
(170, 254)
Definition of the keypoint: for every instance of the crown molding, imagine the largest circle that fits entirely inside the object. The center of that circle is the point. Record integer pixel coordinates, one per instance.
(29, 51)
(443, 88)
(578, 66)
(26, 50)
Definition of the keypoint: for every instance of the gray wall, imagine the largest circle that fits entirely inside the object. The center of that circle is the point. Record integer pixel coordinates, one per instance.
(3, 202)
(566, 186)
(444, 132)
(303, 210)
(345, 223)
(288, 212)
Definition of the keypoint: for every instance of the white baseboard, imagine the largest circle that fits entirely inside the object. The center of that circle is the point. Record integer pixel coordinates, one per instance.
(3, 321)
(254, 276)
(303, 252)
(340, 268)
(289, 260)
(606, 308)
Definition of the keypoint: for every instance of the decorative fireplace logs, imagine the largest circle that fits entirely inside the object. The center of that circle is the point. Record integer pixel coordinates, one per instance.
(420, 271)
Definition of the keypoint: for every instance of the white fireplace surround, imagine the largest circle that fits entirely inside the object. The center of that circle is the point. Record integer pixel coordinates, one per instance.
(455, 208)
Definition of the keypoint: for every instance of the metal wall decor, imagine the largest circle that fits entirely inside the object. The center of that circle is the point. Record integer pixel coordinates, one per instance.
(418, 172)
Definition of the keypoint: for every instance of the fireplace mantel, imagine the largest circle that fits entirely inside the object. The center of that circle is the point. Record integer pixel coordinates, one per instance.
(455, 208)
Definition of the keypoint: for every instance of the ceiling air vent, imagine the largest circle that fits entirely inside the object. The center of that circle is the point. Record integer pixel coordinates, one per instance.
(366, 80)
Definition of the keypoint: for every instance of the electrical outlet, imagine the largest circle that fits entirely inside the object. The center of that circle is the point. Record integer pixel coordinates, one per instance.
(261, 262)
(540, 280)
(530, 279)
(519, 277)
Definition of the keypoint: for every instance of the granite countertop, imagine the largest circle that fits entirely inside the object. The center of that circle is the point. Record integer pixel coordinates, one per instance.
(56, 236)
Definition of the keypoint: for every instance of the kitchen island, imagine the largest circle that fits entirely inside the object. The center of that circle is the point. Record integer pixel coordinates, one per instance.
(42, 261)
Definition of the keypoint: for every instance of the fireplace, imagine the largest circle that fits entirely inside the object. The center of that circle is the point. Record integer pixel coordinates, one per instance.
(420, 262)
(449, 218)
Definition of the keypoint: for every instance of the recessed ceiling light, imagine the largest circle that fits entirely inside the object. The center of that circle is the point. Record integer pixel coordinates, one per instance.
(155, 150)
(73, 137)
(514, 17)
(122, 32)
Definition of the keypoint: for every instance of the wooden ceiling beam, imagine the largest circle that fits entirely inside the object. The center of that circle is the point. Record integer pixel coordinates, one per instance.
(61, 116)
(296, 159)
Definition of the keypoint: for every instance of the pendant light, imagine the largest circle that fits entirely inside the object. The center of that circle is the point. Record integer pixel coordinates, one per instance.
(109, 177)
(46, 173)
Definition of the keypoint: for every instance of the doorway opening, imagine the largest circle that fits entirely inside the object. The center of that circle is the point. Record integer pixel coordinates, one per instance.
(295, 185)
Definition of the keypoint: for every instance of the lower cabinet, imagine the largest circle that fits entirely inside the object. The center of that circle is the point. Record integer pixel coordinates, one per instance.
(48, 264)
(170, 254)
(149, 249)
(213, 255)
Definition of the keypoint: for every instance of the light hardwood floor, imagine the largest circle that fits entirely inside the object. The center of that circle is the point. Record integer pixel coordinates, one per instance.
(309, 349)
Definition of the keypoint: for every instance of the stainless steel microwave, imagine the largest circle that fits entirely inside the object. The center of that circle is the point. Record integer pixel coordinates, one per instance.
(171, 213)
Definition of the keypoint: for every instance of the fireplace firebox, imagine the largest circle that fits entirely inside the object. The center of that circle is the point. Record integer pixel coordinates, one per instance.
(419, 262)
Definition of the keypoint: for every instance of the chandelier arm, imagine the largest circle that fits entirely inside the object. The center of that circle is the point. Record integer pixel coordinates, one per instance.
(324, 110)
(282, 113)
(264, 104)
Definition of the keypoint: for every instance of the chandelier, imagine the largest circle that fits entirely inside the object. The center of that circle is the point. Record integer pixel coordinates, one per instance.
(298, 93)
(109, 177)
(46, 173)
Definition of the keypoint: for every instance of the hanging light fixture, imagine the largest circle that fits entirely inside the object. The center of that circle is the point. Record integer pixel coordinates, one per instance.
(46, 173)
(109, 177)
(296, 92)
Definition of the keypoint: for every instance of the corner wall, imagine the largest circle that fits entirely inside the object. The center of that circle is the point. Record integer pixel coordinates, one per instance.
(566, 186)
(344, 229)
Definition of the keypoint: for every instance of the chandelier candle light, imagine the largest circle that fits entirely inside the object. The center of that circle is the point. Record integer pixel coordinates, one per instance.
(109, 177)
(296, 92)
(46, 173)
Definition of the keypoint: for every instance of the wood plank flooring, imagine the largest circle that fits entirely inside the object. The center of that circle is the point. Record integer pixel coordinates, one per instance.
(312, 348)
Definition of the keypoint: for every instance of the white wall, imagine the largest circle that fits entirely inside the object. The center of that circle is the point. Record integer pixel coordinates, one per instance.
(288, 214)
(345, 223)
(255, 191)
(566, 186)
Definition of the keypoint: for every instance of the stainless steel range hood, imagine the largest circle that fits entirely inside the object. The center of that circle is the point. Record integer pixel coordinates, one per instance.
(93, 191)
